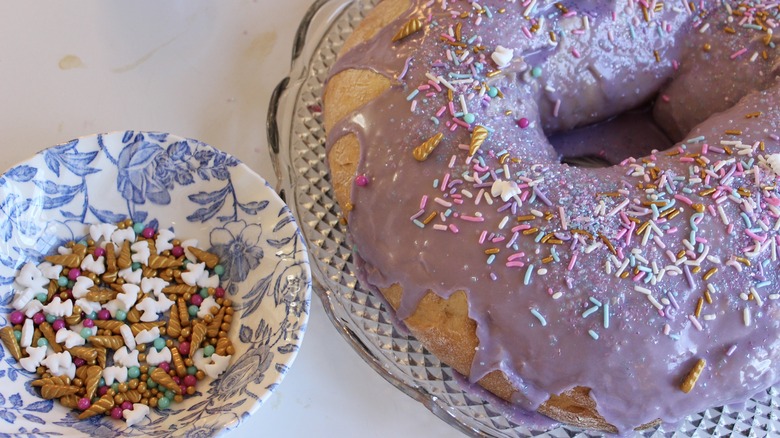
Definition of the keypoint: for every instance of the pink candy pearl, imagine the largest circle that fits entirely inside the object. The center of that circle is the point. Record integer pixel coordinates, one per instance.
(183, 388)
(17, 317)
(184, 348)
(58, 324)
(102, 390)
(165, 366)
(361, 180)
(219, 292)
(79, 362)
(104, 314)
(190, 380)
(99, 252)
(177, 379)
(177, 251)
(74, 273)
(196, 299)
(39, 318)
(88, 323)
(127, 406)
(523, 123)
(84, 403)
(116, 413)
(148, 232)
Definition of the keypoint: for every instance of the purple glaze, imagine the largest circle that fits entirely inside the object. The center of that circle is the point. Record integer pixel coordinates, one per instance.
(597, 72)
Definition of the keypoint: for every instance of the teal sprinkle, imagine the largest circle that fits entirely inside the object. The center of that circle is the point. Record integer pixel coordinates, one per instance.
(219, 270)
(208, 350)
(746, 219)
(17, 334)
(448, 212)
(693, 220)
(169, 394)
(491, 259)
(492, 92)
(115, 386)
(472, 39)
(163, 402)
(528, 272)
(700, 248)
(159, 344)
(204, 293)
(696, 139)
(412, 95)
(539, 237)
(135, 266)
(133, 372)
(41, 297)
(649, 277)
(772, 44)
(656, 214)
(554, 254)
(590, 311)
(469, 118)
(455, 58)
(647, 269)
(92, 315)
(632, 31)
(86, 332)
(50, 318)
(138, 227)
(593, 334)
(435, 121)
(192, 310)
(668, 205)
(120, 315)
(632, 260)
(151, 383)
(460, 75)
(42, 341)
(481, 161)
(660, 31)
(536, 72)
(751, 26)
(71, 283)
(595, 301)
(532, 198)
(436, 183)
(499, 171)
(102, 382)
(82, 242)
(539, 316)
(676, 337)
(763, 284)
(184, 264)
(418, 223)
(490, 14)
(62, 281)
(687, 190)
(606, 315)
(692, 237)
(192, 370)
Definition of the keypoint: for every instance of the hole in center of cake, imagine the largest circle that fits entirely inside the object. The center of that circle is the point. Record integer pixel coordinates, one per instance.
(630, 134)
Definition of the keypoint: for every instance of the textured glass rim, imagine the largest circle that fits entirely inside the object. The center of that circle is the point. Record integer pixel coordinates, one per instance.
(315, 26)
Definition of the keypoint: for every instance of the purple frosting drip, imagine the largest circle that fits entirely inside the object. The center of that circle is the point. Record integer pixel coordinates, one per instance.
(556, 316)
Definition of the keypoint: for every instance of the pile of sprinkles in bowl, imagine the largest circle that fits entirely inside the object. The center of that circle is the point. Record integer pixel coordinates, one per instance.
(125, 320)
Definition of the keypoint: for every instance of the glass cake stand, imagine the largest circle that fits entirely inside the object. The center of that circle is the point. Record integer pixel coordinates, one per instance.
(297, 141)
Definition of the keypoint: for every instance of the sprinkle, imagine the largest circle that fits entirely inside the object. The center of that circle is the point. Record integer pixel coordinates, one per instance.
(693, 375)
(746, 317)
(539, 316)
(593, 334)
(528, 272)
(589, 311)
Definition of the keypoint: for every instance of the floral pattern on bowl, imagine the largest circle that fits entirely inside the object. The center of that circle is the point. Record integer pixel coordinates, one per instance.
(198, 192)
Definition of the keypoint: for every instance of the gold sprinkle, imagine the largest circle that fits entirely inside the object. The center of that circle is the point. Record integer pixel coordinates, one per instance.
(624, 275)
(728, 150)
(491, 251)
(547, 237)
(693, 375)
(753, 115)
(707, 47)
(707, 296)
(493, 73)
(674, 214)
(411, 27)
(707, 192)
(699, 208)
(733, 132)
(530, 231)
(608, 243)
(610, 194)
(579, 231)
(548, 259)
(743, 260)
(555, 242)
(729, 30)
(458, 28)
(699, 306)
(681, 254)
(710, 273)
(641, 228)
(421, 153)
(657, 56)
(526, 218)
(430, 217)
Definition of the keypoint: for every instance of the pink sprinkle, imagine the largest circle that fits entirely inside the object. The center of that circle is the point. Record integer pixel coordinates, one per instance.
(219, 292)
(523, 123)
(17, 317)
(695, 322)
(177, 251)
(482, 237)
(184, 347)
(755, 236)
(527, 33)
(74, 273)
(424, 87)
(686, 159)
(665, 98)
(515, 256)
(451, 107)
(196, 299)
(116, 413)
(104, 314)
(576, 53)
(99, 251)
(445, 181)
(84, 404)
(165, 366)
(58, 324)
(127, 405)
(38, 318)
(435, 86)
(88, 323)
(517, 264)
(453, 228)
(423, 202)
(557, 108)
(148, 232)
(738, 53)
(730, 228)
(520, 227)
(639, 276)
(102, 390)
(684, 199)
(572, 262)
(361, 180)
(705, 148)
(498, 239)
(473, 218)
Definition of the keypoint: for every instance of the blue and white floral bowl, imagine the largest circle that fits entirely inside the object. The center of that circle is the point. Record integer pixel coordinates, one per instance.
(198, 192)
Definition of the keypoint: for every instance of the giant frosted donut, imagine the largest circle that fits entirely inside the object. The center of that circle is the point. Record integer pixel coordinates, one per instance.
(611, 297)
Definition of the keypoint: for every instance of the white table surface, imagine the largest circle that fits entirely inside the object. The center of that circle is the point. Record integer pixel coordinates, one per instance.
(200, 69)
